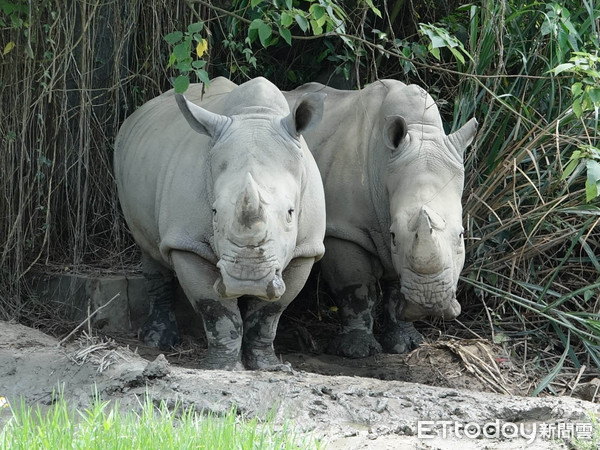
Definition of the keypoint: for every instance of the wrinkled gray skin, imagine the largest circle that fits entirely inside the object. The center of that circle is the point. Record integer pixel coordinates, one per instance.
(393, 184)
(228, 197)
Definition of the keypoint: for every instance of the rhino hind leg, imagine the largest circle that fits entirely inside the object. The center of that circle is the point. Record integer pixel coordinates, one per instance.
(397, 336)
(352, 275)
(160, 328)
(355, 305)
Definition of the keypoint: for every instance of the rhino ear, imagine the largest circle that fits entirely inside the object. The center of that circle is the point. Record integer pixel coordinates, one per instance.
(394, 130)
(200, 119)
(307, 112)
(463, 137)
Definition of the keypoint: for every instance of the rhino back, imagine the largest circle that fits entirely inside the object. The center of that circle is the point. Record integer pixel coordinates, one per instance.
(349, 151)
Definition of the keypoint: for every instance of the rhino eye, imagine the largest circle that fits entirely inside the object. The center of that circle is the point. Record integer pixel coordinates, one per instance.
(393, 236)
(214, 212)
(290, 214)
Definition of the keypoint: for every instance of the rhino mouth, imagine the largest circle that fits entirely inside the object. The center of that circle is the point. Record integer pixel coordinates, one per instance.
(428, 295)
(249, 275)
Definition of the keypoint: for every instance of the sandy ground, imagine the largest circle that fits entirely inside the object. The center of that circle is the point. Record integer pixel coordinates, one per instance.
(346, 405)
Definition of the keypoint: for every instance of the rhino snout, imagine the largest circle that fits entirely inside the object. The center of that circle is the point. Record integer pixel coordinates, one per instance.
(428, 295)
(252, 277)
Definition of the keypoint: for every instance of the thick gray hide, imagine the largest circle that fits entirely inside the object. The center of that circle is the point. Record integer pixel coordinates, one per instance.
(393, 185)
(229, 198)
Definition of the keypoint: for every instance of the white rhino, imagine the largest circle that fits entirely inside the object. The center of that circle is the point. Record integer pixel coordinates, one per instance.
(393, 184)
(228, 197)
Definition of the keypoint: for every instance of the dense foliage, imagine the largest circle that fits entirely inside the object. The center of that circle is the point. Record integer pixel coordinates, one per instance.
(527, 70)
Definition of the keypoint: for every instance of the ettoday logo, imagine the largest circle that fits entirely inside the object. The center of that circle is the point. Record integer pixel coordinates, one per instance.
(429, 429)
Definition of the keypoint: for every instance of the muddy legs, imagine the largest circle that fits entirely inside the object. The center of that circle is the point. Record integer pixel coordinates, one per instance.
(160, 329)
(397, 336)
(354, 288)
(354, 277)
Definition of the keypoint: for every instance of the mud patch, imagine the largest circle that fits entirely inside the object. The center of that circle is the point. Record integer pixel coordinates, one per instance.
(345, 410)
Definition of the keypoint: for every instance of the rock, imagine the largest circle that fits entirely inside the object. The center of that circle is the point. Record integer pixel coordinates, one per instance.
(588, 391)
(158, 368)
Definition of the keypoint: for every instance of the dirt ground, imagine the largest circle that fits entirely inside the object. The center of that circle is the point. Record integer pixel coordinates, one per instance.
(383, 402)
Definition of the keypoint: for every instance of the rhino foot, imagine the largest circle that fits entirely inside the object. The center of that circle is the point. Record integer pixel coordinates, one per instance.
(215, 361)
(260, 359)
(354, 344)
(161, 330)
(400, 338)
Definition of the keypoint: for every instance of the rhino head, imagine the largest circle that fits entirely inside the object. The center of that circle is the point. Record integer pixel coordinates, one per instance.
(425, 182)
(256, 181)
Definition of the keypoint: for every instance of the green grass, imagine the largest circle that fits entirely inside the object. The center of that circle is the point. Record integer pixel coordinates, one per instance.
(104, 426)
(589, 444)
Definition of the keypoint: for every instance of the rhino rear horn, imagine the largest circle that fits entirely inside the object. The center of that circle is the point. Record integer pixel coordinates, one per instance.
(307, 113)
(463, 137)
(200, 119)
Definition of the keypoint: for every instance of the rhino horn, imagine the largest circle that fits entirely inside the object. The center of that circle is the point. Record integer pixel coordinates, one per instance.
(426, 257)
(463, 137)
(201, 120)
(248, 209)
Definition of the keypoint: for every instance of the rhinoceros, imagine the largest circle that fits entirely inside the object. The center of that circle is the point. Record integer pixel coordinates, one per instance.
(393, 184)
(221, 190)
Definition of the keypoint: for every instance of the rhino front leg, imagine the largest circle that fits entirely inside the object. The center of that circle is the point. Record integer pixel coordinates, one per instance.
(221, 318)
(352, 275)
(160, 328)
(398, 336)
(261, 318)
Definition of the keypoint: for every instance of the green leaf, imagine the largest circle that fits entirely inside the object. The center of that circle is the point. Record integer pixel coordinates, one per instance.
(593, 179)
(172, 60)
(578, 107)
(8, 47)
(591, 191)
(203, 76)
(576, 89)
(286, 35)
(562, 67)
(255, 25)
(184, 65)
(255, 3)
(594, 95)
(316, 27)
(286, 19)
(199, 64)
(181, 83)
(264, 34)
(317, 13)
(301, 21)
(373, 8)
(181, 51)
(174, 37)
(588, 295)
(571, 166)
(555, 371)
(457, 54)
(195, 27)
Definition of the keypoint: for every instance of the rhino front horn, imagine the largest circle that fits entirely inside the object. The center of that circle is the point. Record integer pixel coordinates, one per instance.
(248, 208)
